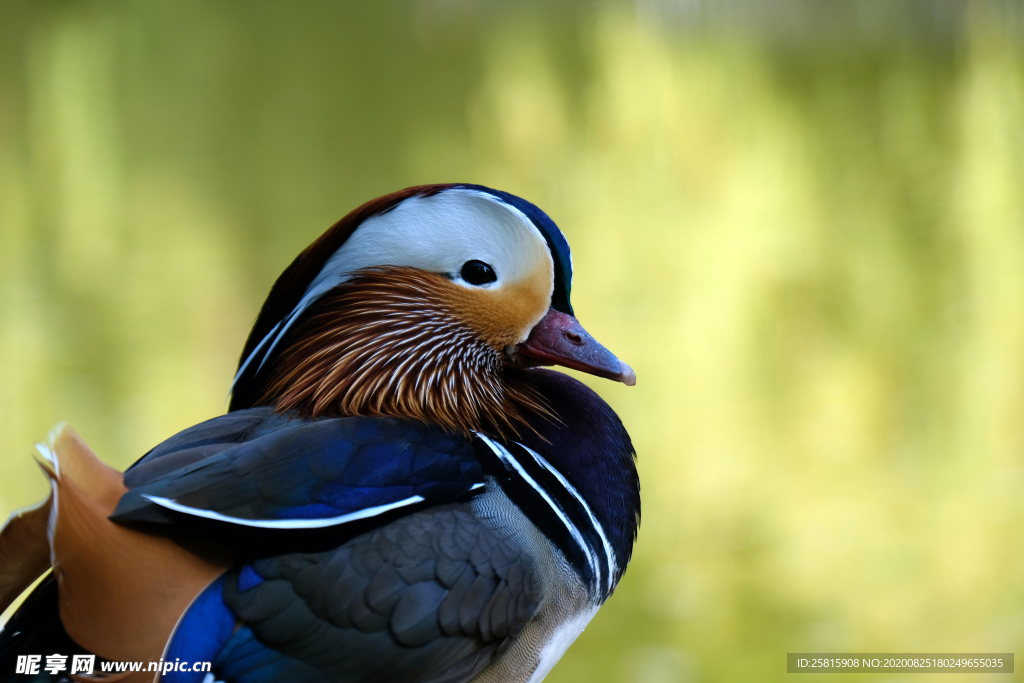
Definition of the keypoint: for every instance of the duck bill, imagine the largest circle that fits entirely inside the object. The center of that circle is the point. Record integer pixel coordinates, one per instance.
(559, 339)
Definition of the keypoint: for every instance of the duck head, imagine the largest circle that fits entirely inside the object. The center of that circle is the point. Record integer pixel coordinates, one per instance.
(431, 303)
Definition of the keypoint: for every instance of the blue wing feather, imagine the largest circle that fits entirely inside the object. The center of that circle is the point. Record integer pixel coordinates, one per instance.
(244, 659)
(203, 630)
(255, 466)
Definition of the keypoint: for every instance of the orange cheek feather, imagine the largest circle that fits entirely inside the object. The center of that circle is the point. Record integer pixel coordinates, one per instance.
(503, 316)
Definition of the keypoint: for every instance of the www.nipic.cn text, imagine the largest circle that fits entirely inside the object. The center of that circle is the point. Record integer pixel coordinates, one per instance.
(86, 664)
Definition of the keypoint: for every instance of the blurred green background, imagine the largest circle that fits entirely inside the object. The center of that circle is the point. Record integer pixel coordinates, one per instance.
(802, 223)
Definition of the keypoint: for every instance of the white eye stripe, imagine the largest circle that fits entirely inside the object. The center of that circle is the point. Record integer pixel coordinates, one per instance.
(438, 234)
(242, 368)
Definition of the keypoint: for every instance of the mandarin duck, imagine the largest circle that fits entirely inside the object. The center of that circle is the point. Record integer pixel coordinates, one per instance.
(398, 492)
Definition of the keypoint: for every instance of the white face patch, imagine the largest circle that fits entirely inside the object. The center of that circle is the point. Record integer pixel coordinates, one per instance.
(437, 234)
(441, 233)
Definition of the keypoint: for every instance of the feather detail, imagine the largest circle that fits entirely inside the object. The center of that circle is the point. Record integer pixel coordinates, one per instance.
(291, 286)
(24, 552)
(121, 591)
(391, 342)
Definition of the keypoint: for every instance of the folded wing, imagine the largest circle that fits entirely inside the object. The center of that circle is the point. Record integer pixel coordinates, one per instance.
(255, 471)
(432, 596)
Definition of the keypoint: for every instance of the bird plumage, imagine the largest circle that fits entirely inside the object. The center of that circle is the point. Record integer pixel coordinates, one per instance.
(398, 493)
(393, 341)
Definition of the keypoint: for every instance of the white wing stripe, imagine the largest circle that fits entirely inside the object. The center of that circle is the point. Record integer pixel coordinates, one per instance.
(609, 553)
(508, 458)
(365, 513)
(284, 523)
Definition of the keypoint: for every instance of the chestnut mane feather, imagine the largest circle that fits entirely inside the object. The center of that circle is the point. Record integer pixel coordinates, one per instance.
(386, 342)
(291, 285)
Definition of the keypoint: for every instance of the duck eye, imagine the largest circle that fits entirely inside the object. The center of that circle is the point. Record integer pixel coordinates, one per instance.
(477, 273)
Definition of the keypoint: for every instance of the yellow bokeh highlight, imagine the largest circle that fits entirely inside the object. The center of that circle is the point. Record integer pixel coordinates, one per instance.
(811, 253)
